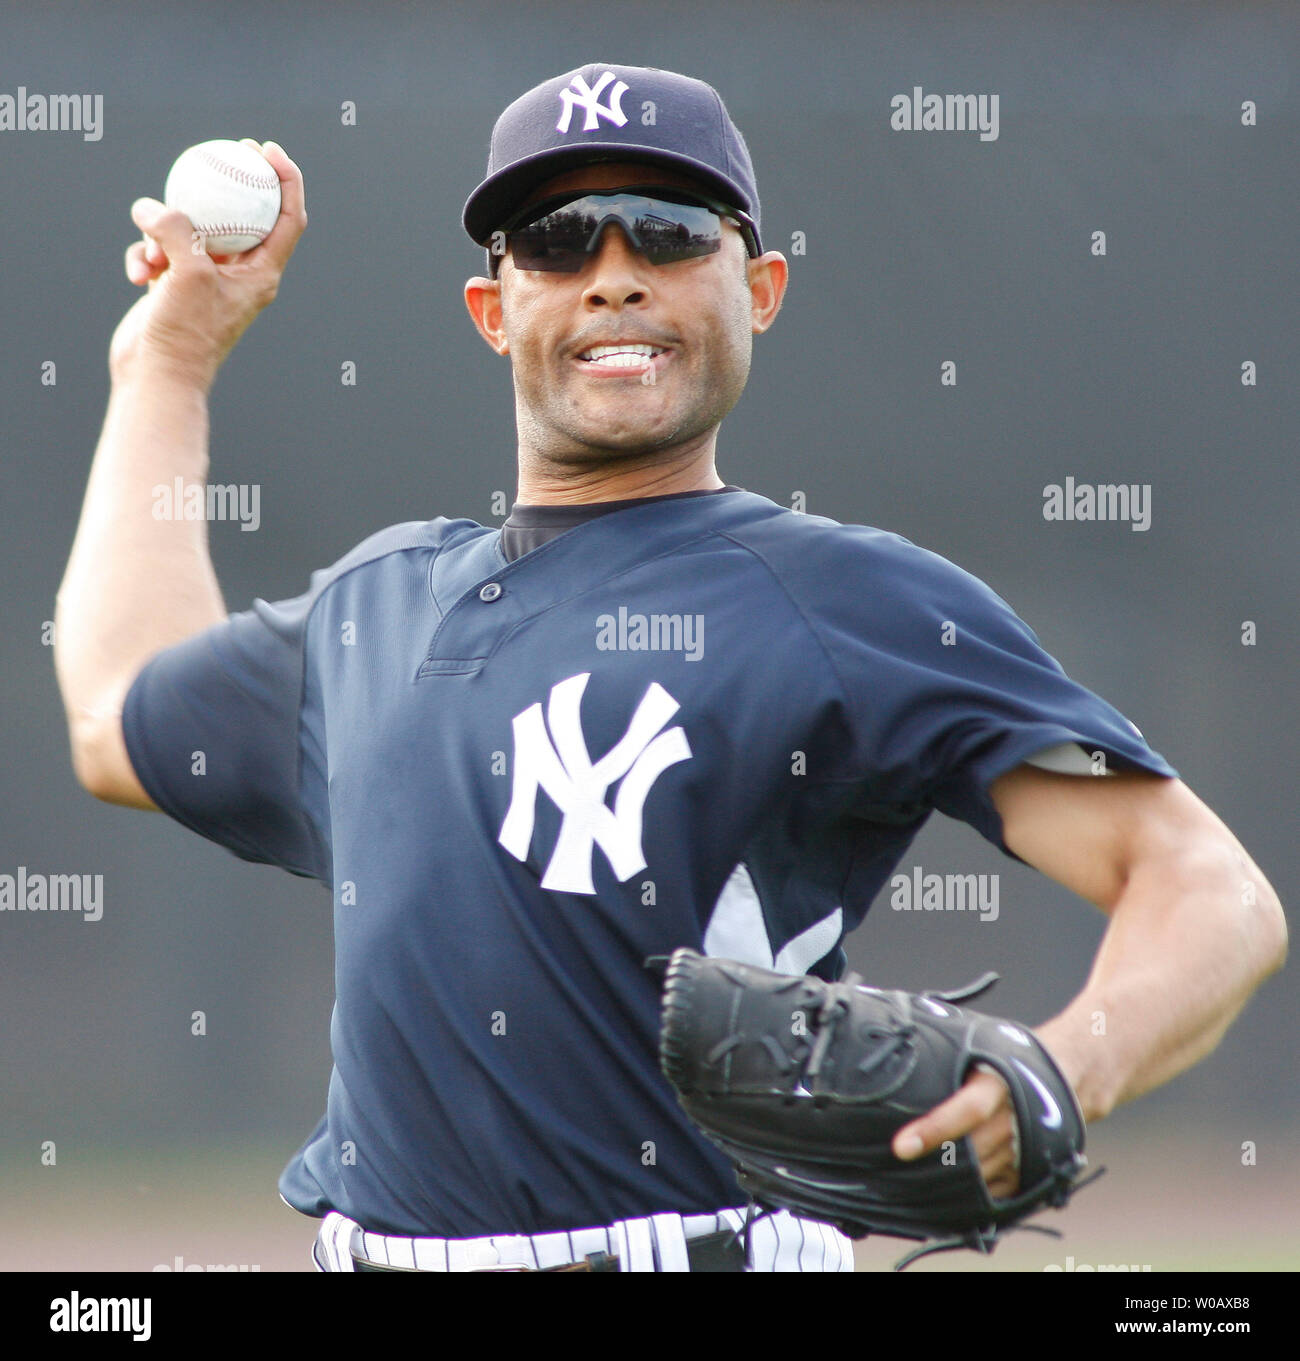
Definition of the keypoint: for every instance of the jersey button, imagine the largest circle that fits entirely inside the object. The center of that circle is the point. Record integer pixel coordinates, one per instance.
(490, 592)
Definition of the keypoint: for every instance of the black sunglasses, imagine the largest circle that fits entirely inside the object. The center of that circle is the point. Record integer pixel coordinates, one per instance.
(559, 234)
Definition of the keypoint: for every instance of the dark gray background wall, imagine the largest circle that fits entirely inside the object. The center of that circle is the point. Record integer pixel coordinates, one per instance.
(920, 248)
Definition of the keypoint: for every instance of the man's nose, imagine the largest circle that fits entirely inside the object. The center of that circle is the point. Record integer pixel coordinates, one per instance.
(617, 270)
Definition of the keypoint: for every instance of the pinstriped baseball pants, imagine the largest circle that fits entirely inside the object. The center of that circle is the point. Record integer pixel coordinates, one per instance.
(778, 1242)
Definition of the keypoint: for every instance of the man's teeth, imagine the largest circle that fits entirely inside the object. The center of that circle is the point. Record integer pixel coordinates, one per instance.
(620, 356)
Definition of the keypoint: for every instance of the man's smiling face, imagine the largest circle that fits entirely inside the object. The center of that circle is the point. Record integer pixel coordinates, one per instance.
(698, 315)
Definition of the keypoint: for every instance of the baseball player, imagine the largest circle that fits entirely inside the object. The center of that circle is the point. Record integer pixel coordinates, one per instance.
(651, 710)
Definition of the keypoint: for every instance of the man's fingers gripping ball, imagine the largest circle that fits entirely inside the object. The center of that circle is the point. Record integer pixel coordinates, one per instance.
(229, 192)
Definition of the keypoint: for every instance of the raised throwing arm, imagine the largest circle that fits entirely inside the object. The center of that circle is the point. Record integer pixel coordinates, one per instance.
(136, 584)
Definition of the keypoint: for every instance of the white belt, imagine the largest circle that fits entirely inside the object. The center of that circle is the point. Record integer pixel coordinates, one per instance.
(778, 1242)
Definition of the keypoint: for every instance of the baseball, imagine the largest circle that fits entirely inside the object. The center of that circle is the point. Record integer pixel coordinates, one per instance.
(230, 193)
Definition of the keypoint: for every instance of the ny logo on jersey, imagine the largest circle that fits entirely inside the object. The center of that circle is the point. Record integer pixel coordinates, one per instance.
(588, 95)
(560, 764)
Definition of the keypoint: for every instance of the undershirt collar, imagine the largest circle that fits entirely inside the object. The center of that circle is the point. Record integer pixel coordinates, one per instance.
(529, 527)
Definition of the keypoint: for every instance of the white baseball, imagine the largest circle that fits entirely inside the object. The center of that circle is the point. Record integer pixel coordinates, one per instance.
(230, 193)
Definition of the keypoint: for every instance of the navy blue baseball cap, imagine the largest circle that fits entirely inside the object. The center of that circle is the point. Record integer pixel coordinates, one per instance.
(603, 112)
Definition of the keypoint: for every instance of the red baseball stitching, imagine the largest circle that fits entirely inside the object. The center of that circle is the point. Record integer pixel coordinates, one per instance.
(231, 229)
(245, 177)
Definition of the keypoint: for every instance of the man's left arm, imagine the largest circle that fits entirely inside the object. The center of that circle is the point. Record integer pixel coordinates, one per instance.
(1194, 929)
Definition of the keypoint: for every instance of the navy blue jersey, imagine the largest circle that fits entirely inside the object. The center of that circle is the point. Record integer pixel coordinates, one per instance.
(705, 721)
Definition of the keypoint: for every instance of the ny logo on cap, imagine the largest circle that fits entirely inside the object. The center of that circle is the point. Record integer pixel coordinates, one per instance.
(588, 96)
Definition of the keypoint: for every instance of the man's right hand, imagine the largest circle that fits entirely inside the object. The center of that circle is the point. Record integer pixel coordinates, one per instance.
(197, 305)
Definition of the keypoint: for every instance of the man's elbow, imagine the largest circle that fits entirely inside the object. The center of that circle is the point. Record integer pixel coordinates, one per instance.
(92, 774)
(102, 766)
(1269, 925)
(1188, 845)
(1257, 911)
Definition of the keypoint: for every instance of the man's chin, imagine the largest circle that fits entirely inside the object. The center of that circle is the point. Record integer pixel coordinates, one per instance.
(601, 446)
(594, 441)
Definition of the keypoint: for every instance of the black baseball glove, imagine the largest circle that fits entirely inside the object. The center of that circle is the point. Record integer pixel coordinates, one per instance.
(803, 1084)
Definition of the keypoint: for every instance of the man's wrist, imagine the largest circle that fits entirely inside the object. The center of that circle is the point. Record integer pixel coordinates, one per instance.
(156, 369)
(1082, 1053)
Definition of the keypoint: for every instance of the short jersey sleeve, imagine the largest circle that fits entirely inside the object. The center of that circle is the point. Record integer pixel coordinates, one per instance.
(224, 730)
(946, 688)
(212, 727)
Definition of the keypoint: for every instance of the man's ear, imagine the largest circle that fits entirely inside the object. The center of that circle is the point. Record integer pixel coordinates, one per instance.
(768, 276)
(483, 299)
